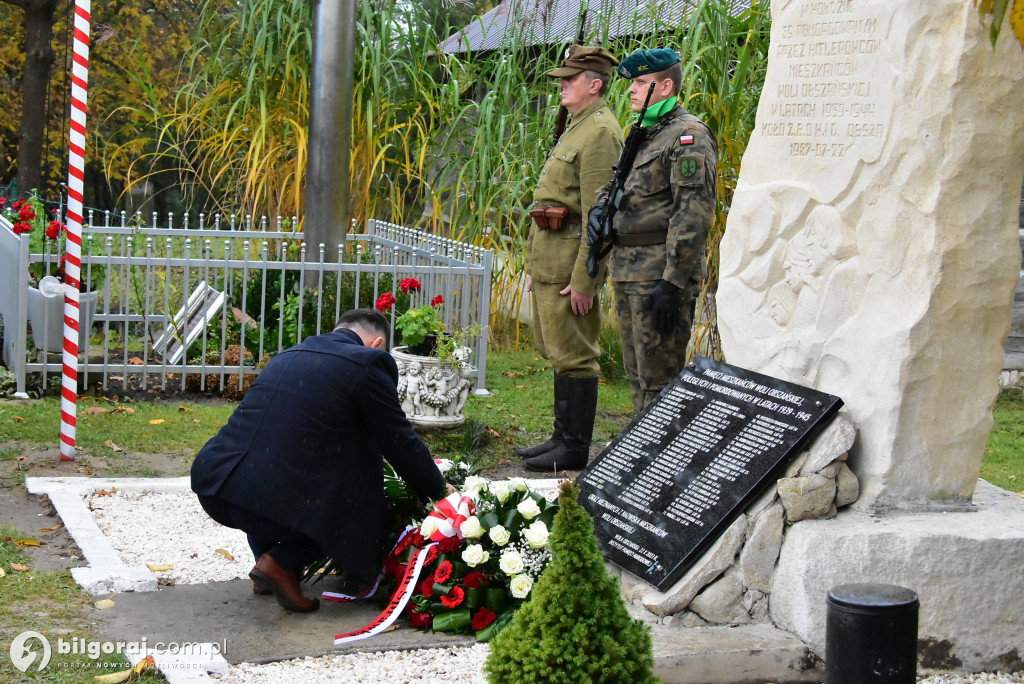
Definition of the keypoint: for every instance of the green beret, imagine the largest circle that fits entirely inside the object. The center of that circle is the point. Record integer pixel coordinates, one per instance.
(644, 62)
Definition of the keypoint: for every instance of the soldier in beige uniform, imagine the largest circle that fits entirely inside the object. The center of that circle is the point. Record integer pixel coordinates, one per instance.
(566, 315)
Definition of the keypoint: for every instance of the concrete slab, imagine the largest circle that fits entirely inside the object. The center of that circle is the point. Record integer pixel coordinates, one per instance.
(965, 568)
(747, 654)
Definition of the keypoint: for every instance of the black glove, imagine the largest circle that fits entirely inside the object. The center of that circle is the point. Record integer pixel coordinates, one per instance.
(666, 304)
(594, 224)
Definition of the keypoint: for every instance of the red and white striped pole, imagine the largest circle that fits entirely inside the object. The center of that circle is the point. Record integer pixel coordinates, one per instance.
(73, 265)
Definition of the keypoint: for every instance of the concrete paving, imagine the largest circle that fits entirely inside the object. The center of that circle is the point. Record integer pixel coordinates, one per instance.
(240, 627)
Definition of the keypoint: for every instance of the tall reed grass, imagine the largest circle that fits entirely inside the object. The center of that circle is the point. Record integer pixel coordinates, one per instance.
(451, 143)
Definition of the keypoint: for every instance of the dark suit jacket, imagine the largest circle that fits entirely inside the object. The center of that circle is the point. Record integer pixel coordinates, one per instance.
(305, 447)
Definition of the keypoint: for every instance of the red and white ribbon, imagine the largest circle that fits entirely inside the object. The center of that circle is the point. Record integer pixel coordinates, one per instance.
(73, 264)
(345, 598)
(447, 517)
(406, 588)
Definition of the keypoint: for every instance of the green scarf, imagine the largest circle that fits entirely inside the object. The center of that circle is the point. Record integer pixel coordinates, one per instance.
(656, 111)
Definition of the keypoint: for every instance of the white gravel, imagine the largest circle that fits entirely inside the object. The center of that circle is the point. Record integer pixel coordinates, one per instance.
(171, 529)
(440, 665)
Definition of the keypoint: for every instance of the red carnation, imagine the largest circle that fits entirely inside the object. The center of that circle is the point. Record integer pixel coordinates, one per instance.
(449, 544)
(426, 587)
(444, 571)
(53, 230)
(403, 545)
(410, 285)
(483, 618)
(21, 227)
(475, 580)
(421, 620)
(385, 302)
(437, 301)
(454, 597)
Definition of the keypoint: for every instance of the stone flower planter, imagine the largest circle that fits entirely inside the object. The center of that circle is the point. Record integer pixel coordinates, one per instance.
(433, 391)
(46, 314)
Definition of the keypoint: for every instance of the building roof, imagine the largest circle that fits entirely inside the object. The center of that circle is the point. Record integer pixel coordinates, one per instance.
(522, 23)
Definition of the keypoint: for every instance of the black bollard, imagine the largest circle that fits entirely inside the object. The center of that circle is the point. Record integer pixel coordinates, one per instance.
(871, 635)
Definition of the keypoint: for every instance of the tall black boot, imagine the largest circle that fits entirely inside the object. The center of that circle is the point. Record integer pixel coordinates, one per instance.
(561, 405)
(573, 450)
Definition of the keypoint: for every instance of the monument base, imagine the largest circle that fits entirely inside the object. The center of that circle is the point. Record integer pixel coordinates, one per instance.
(965, 567)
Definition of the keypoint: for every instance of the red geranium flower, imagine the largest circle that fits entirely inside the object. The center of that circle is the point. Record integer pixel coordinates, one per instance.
(21, 227)
(483, 618)
(26, 213)
(475, 580)
(449, 544)
(17, 204)
(454, 597)
(444, 571)
(385, 302)
(426, 587)
(410, 285)
(53, 230)
(437, 301)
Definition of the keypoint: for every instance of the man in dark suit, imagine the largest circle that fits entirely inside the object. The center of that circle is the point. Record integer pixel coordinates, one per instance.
(299, 465)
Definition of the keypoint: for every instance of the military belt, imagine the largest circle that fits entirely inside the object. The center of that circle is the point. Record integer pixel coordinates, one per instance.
(640, 239)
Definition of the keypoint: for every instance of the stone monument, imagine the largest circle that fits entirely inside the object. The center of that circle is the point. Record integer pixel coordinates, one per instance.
(872, 253)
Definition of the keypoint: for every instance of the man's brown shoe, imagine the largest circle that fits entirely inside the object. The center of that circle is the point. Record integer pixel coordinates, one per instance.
(283, 584)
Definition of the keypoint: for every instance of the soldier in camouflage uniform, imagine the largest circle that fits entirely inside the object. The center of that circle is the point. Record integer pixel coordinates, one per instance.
(566, 315)
(668, 207)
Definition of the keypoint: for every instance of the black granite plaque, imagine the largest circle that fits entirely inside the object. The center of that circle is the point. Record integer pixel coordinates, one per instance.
(671, 483)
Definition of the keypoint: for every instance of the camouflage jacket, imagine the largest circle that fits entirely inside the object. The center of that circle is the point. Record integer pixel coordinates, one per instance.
(669, 194)
(577, 167)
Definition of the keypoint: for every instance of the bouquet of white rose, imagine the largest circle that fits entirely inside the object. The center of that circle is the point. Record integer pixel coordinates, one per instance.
(492, 546)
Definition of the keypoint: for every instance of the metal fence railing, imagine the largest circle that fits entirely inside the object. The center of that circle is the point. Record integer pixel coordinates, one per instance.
(200, 308)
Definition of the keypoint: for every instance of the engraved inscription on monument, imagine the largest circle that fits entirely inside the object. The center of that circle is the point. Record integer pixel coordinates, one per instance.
(832, 100)
(666, 487)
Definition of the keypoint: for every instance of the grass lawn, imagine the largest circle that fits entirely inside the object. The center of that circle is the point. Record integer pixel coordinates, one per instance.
(161, 438)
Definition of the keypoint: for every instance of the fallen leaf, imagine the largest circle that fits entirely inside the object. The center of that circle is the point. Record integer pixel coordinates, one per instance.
(28, 542)
(159, 568)
(103, 492)
(110, 443)
(95, 409)
(135, 361)
(19, 567)
(494, 433)
(184, 409)
(520, 386)
(225, 554)
(195, 420)
(156, 422)
(105, 604)
(23, 458)
(144, 664)
(18, 418)
(51, 529)
(2, 573)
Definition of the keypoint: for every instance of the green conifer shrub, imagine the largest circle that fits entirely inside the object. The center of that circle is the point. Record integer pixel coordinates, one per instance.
(575, 628)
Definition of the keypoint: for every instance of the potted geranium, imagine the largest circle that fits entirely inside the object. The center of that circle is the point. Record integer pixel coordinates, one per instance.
(45, 278)
(435, 377)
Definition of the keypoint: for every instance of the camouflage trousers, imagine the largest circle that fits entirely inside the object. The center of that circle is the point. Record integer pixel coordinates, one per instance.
(568, 341)
(652, 360)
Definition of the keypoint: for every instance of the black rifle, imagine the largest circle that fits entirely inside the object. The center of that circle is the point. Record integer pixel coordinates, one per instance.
(600, 233)
(563, 113)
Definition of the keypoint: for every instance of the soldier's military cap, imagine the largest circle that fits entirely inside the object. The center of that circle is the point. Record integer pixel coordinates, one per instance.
(647, 62)
(580, 58)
